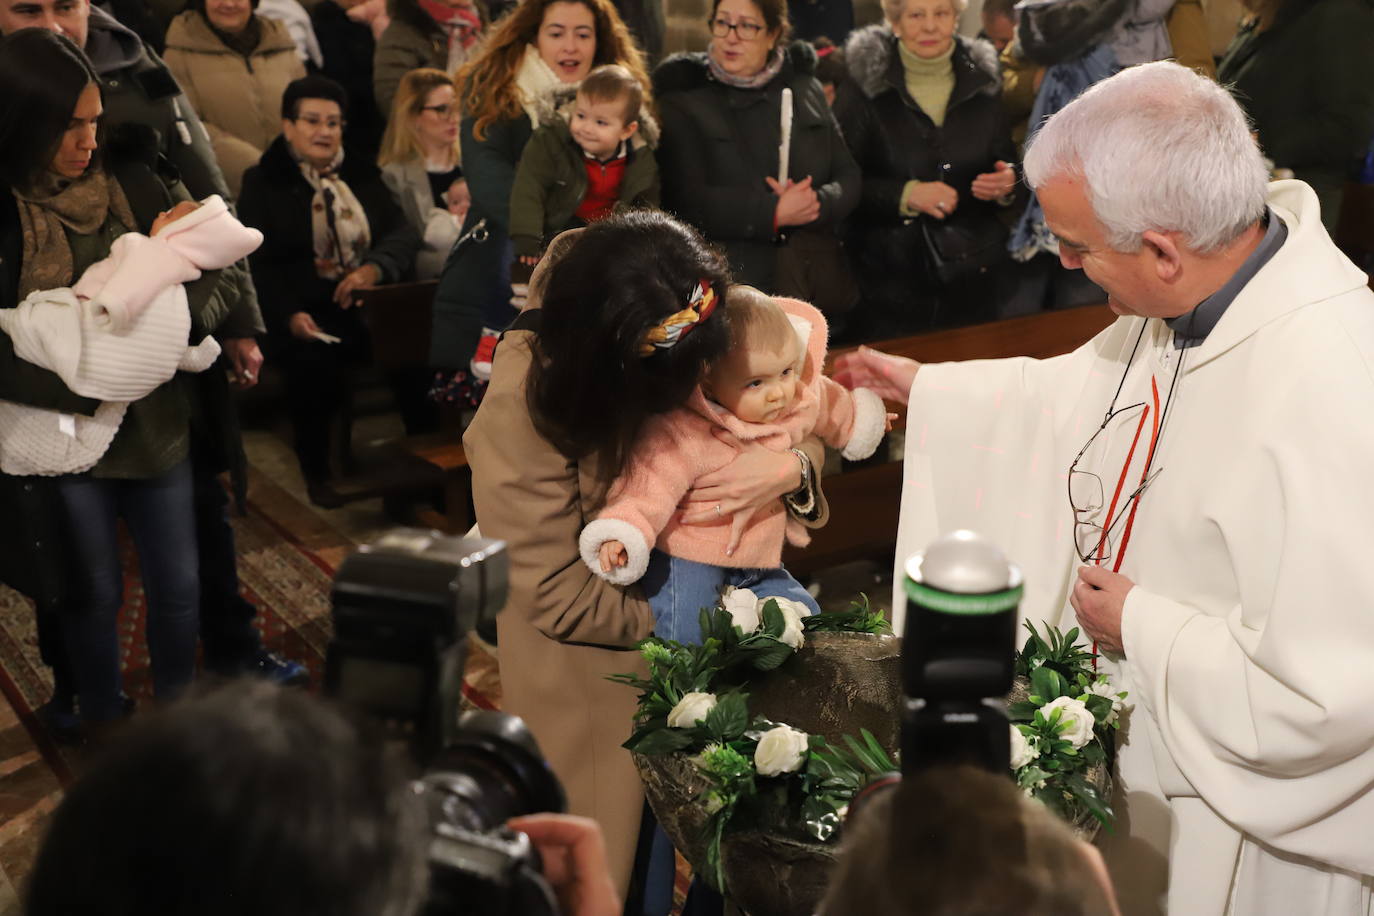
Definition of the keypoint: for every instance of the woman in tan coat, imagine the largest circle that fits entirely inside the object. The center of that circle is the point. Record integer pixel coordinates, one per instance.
(234, 66)
(543, 451)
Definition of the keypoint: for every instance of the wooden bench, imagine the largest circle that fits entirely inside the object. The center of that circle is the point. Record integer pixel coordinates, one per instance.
(404, 471)
(865, 500)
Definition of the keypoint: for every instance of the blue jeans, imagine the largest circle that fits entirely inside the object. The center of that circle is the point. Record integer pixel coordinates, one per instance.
(160, 518)
(678, 589)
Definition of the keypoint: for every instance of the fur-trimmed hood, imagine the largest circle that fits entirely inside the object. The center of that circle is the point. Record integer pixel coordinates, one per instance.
(690, 70)
(545, 96)
(869, 53)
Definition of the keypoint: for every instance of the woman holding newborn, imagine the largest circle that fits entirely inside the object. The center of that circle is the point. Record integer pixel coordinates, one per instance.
(62, 206)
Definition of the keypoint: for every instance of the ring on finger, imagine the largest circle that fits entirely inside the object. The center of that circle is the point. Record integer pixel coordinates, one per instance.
(718, 512)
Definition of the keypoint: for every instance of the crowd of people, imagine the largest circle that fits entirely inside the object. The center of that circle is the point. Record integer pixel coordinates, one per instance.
(877, 176)
(901, 207)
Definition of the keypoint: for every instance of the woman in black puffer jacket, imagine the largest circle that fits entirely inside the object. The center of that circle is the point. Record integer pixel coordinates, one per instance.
(330, 227)
(937, 168)
(718, 156)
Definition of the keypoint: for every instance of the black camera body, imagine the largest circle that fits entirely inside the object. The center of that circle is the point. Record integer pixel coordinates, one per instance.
(403, 608)
(958, 649)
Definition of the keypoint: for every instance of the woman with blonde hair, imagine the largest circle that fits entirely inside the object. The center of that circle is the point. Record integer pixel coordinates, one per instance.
(421, 166)
(531, 63)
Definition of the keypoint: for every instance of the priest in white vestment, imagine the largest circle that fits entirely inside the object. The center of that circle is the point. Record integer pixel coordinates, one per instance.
(1216, 535)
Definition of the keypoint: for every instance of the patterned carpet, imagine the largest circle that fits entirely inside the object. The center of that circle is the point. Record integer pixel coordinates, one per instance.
(287, 556)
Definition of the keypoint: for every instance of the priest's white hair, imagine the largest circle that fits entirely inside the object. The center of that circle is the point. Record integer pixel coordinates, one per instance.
(1158, 147)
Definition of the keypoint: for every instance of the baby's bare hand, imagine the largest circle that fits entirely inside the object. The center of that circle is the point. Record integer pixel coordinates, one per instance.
(613, 556)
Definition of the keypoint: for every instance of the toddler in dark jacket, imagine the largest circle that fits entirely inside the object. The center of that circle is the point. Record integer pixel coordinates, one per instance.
(576, 171)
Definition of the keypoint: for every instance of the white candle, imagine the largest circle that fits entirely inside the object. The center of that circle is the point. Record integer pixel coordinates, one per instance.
(785, 143)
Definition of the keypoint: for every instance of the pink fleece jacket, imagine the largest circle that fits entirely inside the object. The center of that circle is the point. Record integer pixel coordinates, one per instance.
(678, 447)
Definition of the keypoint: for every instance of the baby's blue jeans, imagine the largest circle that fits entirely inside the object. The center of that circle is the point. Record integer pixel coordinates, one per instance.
(678, 589)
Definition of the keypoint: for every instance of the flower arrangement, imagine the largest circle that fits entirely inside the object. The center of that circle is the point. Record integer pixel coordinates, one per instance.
(1060, 732)
(694, 701)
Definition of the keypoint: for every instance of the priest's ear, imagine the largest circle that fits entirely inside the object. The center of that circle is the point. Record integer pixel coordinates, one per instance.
(1167, 252)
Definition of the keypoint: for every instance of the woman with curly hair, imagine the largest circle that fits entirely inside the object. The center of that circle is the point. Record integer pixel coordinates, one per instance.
(532, 63)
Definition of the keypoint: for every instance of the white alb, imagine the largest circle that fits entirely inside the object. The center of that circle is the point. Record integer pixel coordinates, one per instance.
(1248, 761)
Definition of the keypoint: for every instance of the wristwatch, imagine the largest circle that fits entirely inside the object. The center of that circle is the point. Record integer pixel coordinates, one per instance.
(802, 501)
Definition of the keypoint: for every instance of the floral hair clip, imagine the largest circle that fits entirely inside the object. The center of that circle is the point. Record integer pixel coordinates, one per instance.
(666, 334)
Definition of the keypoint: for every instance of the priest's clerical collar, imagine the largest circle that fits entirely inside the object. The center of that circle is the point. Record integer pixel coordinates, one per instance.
(1192, 328)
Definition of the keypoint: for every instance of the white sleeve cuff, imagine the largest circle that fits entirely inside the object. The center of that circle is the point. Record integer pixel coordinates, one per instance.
(200, 357)
(614, 529)
(870, 424)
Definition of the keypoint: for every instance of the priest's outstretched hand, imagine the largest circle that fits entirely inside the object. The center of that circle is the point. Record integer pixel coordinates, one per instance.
(889, 376)
(1099, 596)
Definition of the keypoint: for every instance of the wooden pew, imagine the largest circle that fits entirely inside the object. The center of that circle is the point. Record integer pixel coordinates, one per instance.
(399, 316)
(865, 500)
(399, 319)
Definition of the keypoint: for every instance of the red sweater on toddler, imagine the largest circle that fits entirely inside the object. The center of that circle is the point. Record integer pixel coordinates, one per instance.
(603, 187)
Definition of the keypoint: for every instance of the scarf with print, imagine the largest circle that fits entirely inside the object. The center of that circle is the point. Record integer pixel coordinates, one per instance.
(54, 205)
(461, 24)
(753, 81)
(337, 221)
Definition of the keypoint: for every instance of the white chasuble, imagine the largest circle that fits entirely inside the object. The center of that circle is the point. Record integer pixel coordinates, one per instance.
(1246, 764)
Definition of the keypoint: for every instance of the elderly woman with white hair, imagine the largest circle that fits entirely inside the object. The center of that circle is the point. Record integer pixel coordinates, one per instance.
(1194, 484)
(924, 120)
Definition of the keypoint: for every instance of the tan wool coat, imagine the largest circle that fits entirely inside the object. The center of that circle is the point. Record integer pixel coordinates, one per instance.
(238, 99)
(563, 629)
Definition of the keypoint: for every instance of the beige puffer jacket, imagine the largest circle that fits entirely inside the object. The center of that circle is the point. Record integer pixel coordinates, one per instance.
(238, 99)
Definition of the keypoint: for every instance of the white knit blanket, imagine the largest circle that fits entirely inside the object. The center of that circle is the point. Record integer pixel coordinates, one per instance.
(116, 335)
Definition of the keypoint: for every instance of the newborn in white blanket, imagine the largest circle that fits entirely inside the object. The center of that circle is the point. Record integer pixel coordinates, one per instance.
(118, 333)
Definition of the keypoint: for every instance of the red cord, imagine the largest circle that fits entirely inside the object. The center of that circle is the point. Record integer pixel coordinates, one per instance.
(1121, 481)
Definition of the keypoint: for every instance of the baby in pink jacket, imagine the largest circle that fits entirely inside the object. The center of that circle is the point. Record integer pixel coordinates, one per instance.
(768, 389)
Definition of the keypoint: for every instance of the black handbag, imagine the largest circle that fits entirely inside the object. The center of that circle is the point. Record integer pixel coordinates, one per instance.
(813, 266)
(956, 251)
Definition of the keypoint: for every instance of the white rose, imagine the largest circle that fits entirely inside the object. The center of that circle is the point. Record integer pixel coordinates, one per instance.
(1103, 688)
(792, 614)
(1021, 751)
(743, 607)
(691, 709)
(1079, 728)
(781, 750)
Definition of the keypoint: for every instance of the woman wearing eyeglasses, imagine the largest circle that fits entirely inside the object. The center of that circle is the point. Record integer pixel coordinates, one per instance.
(420, 164)
(720, 112)
(233, 65)
(330, 227)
